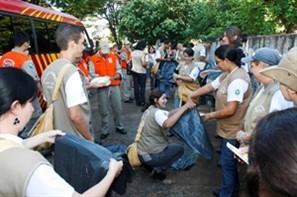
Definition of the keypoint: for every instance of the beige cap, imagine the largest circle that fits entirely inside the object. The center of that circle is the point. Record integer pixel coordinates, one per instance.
(104, 46)
(286, 71)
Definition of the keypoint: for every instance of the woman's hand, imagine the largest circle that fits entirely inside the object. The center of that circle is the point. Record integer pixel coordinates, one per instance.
(48, 136)
(190, 104)
(207, 117)
(115, 166)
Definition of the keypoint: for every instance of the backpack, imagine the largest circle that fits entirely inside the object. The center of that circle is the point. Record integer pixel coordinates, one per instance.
(46, 121)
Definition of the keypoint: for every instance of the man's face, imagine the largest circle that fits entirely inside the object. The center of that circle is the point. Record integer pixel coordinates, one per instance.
(79, 46)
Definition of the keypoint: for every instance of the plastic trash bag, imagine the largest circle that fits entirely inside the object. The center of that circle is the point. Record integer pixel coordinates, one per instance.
(191, 130)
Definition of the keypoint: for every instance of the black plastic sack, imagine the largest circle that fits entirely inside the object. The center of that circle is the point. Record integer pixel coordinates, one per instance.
(166, 70)
(83, 164)
(191, 130)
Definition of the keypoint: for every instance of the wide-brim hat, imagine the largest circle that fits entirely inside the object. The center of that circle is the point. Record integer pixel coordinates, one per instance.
(286, 71)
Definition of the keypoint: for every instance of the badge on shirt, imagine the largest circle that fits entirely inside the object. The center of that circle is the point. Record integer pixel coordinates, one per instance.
(109, 60)
(237, 92)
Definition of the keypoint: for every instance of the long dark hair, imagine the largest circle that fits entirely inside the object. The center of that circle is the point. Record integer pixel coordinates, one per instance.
(234, 31)
(273, 155)
(15, 85)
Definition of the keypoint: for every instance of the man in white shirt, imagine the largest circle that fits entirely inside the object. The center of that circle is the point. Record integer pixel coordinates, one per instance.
(71, 109)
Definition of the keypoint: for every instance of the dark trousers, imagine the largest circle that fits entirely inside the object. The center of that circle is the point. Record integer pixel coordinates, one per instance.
(139, 80)
(163, 160)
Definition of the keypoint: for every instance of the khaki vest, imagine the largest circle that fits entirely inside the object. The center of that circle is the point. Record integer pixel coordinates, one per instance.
(259, 106)
(185, 71)
(62, 119)
(153, 139)
(228, 127)
(16, 174)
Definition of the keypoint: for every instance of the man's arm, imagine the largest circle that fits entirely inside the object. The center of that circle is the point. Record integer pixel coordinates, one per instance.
(79, 122)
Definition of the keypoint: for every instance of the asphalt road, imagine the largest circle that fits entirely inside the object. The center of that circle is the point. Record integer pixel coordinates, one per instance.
(198, 181)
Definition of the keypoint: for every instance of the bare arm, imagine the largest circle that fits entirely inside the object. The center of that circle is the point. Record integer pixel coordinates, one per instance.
(227, 111)
(48, 136)
(101, 188)
(143, 62)
(201, 91)
(175, 114)
(79, 122)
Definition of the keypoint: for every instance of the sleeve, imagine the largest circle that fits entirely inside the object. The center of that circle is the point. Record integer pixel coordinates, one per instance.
(194, 73)
(161, 116)
(75, 94)
(216, 83)
(46, 182)
(119, 69)
(158, 54)
(29, 67)
(93, 74)
(203, 52)
(279, 103)
(236, 90)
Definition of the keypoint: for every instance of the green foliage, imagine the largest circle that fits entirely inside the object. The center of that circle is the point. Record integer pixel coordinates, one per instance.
(182, 20)
(79, 8)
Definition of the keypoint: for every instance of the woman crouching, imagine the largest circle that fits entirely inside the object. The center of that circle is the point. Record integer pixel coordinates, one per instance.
(154, 149)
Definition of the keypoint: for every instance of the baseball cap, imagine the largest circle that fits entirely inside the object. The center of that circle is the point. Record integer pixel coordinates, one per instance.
(104, 46)
(267, 55)
(286, 71)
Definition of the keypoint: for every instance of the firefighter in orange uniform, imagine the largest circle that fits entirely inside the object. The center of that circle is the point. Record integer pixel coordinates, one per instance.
(19, 58)
(105, 64)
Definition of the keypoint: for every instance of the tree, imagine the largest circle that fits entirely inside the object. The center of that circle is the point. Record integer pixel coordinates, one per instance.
(150, 20)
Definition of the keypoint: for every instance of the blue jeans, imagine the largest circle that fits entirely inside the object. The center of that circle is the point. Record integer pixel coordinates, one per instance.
(230, 179)
(163, 160)
(139, 80)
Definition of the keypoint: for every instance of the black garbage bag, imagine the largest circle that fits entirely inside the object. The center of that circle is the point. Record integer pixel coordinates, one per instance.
(165, 73)
(83, 164)
(190, 129)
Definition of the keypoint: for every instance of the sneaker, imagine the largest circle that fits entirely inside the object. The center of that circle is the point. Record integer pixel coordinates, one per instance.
(129, 101)
(168, 181)
(121, 131)
(158, 175)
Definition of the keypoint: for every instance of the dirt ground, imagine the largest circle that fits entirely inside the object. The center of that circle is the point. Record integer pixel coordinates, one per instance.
(198, 181)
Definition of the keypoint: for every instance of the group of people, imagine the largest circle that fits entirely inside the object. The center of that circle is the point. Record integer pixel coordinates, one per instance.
(243, 118)
(237, 112)
(71, 113)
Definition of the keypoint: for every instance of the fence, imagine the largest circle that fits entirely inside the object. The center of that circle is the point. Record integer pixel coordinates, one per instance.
(282, 42)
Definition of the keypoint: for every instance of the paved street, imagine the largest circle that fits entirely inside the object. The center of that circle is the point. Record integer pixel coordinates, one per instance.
(198, 181)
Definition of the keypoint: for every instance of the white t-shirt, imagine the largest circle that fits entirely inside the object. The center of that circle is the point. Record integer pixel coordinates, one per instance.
(236, 89)
(75, 94)
(161, 116)
(278, 102)
(194, 73)
(44, 180)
